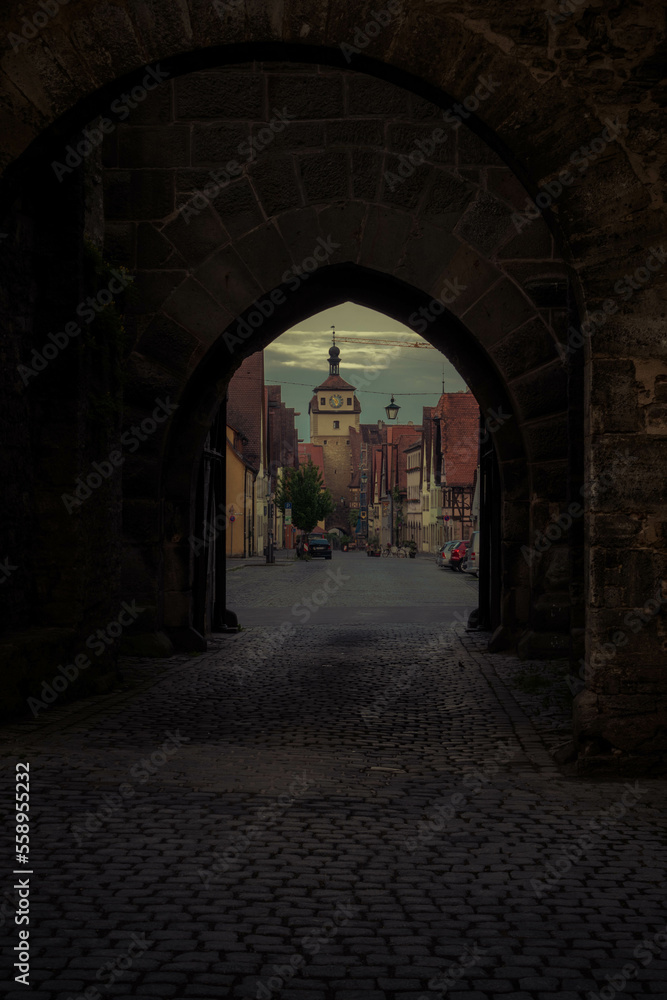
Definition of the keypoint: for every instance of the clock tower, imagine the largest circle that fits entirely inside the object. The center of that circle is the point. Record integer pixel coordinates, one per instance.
(333, 410)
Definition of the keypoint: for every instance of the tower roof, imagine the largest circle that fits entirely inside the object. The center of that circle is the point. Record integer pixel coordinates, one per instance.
(334, 382)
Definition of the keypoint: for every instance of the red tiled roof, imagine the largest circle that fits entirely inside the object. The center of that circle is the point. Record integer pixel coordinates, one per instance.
(334, 382)
(246, 403)
(458, 415)
(398, 437)
(403, 440)
(282, 433)
(314, 452)
(427, 423)
(236, 446)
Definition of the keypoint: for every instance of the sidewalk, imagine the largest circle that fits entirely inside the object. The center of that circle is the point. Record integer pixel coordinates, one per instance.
(286, 556)
(282, 557)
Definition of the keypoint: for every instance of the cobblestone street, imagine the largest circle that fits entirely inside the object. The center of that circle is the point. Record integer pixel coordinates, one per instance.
(356, 808)
(368, 589)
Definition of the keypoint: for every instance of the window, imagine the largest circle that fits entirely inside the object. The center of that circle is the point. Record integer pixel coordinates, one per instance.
(336, 424)
(322, 400)
(325, 441)
(349, 402)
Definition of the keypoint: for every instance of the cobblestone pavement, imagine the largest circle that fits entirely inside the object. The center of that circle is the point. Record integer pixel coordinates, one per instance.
(358, 812)
(358, 588)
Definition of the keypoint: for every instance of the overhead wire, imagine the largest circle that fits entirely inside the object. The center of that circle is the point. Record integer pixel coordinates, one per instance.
(377, 392)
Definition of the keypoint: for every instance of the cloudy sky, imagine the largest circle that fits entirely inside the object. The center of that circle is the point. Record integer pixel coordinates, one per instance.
(301, 355)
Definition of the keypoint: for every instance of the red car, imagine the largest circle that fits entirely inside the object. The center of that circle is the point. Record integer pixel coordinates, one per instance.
(458, 555)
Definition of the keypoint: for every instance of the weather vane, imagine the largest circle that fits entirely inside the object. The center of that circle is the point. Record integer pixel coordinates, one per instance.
(334, 335)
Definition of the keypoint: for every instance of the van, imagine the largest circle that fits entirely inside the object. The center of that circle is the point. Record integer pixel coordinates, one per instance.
(471, 561)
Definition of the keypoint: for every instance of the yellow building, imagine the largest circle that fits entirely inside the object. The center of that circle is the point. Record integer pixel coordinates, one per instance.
(240, 498)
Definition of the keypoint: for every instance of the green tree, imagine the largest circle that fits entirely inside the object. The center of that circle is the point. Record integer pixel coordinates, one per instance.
(304, 489)
(353, 518)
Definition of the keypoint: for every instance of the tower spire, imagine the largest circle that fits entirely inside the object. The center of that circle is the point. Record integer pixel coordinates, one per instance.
(334, 355)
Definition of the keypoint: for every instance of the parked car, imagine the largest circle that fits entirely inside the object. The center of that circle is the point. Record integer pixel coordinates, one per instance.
(457, 556)
(443, 556)
(471, 561)
(305, 544)
(318, 546)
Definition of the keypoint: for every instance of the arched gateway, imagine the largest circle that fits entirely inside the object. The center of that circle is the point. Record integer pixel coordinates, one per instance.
(426, 188)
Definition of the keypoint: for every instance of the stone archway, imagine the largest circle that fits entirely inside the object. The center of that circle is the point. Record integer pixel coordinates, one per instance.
(376, 227)
(520, 120)
(326, 288)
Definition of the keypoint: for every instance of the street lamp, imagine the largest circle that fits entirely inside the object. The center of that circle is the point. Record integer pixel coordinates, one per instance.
(391, 409)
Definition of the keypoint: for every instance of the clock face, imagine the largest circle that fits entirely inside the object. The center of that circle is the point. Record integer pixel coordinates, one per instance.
(336, 401)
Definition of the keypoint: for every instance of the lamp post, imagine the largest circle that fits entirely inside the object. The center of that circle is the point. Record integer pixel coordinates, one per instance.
(391, 409)
(269, 548)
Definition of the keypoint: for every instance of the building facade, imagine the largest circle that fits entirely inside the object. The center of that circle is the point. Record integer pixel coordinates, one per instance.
(283, 450)
(247, 413)
(241, 478)
(264, 438)
(363, 443)
(456, 424)
(413, 476)
(432, 529)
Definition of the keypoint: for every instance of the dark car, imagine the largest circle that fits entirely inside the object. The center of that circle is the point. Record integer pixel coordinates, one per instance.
(318, 546)
(458, 555)
(314, 545)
